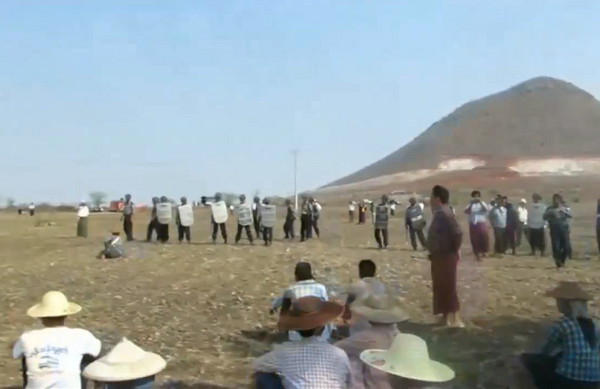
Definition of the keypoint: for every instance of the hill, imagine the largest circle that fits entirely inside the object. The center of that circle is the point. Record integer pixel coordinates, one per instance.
(541, 126)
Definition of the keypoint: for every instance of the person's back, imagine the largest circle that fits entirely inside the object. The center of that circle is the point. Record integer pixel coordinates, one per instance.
(53, 356)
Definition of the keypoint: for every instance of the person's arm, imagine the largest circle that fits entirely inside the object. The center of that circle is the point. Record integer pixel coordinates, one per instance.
(484, 206)
(468, 208)
(553, 339)
(91, 345)
(547, 214)
(567, 212)
(17, 349)
(406, 219)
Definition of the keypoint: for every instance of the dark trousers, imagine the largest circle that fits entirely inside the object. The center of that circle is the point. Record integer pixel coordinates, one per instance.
(268, 235)
(223, 231)
(378, 233)
(288, 229)
(256, 223)
(31, 212)
(543, 372)
(519, 232)
(128, 227)
(267, 381)
(305, 227)
(509, 239)
(163, 233)
(351, 216)
(537, 240)
(413, 238)
(152, 227)
(238, 236)
(559, 236)
(315, 225)
(499, 247)
(598, 233)
(184, 232)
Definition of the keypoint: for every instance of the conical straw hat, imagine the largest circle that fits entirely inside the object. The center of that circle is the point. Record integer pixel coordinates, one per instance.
(379, 309)
(54, 304)
(125, 362)
(408, 357)
(569, 291)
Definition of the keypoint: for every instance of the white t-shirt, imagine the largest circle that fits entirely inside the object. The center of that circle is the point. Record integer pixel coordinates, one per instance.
(83, 211)
(54, 356)
(351, 207)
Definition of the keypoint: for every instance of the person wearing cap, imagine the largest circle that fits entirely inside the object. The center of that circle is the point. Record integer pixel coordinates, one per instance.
(381, 219)
(240, 227)
(127, 217)
(383, 316)
(255, 209)
(126, 366)
(306, 218)
(536, 225)
(217, 226)
(408, 364)
(310, 362)
(183, 231)
(83, 212)
(31, 209)
(571, 356)
(444, 241)
(510, 232)
(521, 221)
(415, 223)
(366, 286)
(557, 215)
(290, 217)
(153, 224)
(267, 231)
(163, 229)
(478, 229)
(53, 354)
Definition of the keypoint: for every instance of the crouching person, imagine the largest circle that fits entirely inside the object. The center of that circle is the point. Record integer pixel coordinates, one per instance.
(126, 366)
(570, 358)
(52, 356)
(113, 248)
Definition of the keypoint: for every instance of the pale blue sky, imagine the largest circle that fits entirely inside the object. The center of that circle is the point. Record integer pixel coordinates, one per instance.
(191, 97)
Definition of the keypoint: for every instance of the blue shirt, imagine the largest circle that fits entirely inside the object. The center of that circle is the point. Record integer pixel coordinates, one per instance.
(498, 217)
(579, 361)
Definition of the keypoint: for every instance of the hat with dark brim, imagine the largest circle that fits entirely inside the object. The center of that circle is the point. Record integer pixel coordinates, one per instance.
(308, 313)
(569, 291)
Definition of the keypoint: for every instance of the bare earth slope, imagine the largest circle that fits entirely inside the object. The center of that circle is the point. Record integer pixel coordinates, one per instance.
(540, 118)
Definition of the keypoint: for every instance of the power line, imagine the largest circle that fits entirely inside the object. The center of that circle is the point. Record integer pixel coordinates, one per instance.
(295, 153)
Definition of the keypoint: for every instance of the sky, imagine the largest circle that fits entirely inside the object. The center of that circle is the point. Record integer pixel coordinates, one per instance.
(186, 98)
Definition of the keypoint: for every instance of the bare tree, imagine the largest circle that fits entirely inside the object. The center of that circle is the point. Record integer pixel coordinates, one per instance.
(10, 202)
(98, 198)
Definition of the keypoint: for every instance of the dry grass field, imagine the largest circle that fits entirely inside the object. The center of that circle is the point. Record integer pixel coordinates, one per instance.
(205, 308)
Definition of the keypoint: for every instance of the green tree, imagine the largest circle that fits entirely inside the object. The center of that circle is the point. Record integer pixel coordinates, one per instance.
(98, 198)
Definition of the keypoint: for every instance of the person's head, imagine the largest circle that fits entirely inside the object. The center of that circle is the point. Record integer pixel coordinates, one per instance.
(288, 202)
(256, 199)
(412, 201)
(523, 202)
(128, 197)
(155, 200)
(557, 199)
(311, 200)
(218, 196)
(303, 271)
(536, 198)
(266, 201)
(242, 198)
(366, 268)
(573, 308)
(183, 201)
(598, 201)
(439, 196)
(164, 199)
(384, 199)
(475, 194)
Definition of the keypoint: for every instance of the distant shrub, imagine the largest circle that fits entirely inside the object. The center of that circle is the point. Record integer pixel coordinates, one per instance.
(576, 200)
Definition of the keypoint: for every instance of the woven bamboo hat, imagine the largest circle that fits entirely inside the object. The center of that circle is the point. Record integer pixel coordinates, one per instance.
(408, 357)
(53, 304)
(379, 309)
(569, 291)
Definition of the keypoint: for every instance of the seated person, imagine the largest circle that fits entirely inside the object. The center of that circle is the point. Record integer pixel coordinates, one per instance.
(311, 362)
(407, 363)
(305, 286)
(570, 358)
(126, 366)
(382, 316)
(113, 247)
(366, 286)
(53, 355)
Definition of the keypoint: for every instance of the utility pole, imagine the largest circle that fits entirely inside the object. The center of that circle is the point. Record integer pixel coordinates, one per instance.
(295, 153)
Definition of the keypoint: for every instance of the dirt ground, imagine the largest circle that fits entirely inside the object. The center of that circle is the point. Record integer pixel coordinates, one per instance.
(204, 308)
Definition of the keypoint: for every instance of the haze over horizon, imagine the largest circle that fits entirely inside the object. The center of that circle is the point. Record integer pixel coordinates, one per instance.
(188, 98)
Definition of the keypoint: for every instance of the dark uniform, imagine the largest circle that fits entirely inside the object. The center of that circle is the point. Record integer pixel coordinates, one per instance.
(415, 223)
(315, 217)
(288, 225)
(255, 207)
(153, 225)
(306, 221)
(381, 223)
(128, 218)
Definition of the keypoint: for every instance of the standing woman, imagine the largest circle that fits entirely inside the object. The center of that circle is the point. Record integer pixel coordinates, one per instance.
(557, 216)
(575, 337)
(478, 229)
(444, 241)
(82, 224)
